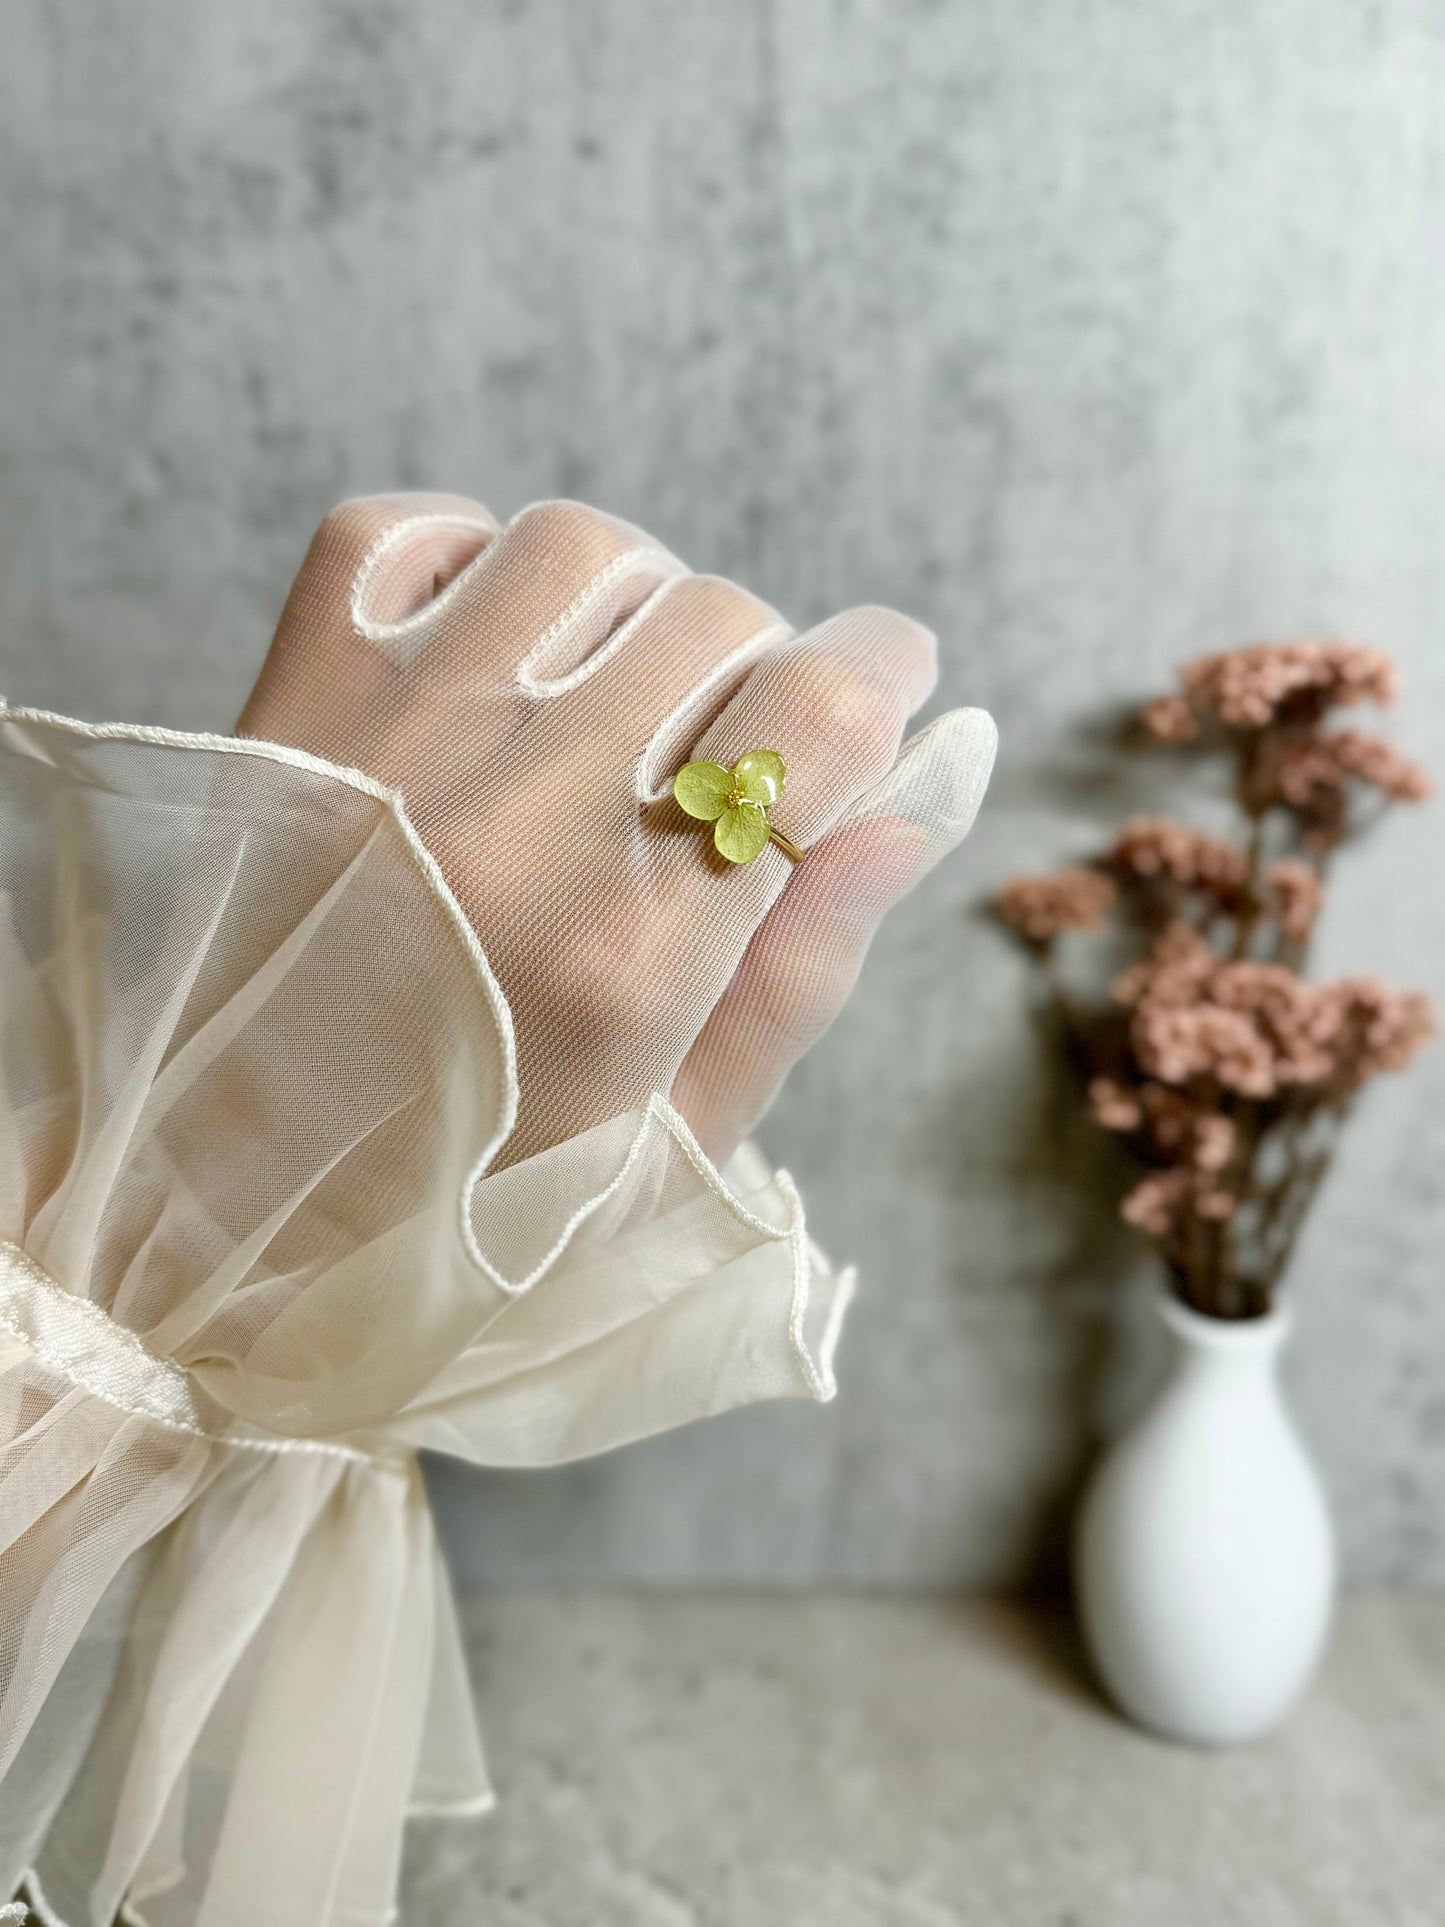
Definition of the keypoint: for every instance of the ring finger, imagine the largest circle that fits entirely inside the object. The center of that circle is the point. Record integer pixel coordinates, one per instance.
(833, 703)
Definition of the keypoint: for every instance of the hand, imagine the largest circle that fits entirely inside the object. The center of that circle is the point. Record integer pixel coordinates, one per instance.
(531, 692)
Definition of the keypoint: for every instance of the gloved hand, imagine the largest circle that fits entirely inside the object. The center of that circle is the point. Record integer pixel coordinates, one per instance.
(531, 692)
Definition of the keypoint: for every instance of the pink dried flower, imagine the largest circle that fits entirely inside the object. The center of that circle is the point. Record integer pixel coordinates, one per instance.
(1375, 1028)
(1368, 759)
(1154, 1205)
(1259, 1028)
(1295, 896)
(1286, 682)
(1156, 847)
(1042, 908)
(1172, 971)
(1160, 1202)
(1312, 775)
(1178, 1044)
(1214, 1141)
(1170, 1122)
(1289, 1015)
(1114, 1107)
(1216, 1205)
(1169, 719)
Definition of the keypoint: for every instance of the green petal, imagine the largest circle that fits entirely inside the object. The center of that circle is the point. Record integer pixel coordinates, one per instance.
(741, 832)
(759, 775)
(703, 789)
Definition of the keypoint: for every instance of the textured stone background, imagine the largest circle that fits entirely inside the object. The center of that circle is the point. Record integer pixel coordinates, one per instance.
(1097, 334)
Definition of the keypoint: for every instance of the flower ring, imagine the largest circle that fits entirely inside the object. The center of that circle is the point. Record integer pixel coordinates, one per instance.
(736, 802)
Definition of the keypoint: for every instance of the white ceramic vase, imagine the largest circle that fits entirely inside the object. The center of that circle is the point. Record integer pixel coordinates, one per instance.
(1204, 1561)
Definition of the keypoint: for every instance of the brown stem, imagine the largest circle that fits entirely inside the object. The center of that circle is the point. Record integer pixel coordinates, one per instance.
(1310, 1176)
(1253, 897)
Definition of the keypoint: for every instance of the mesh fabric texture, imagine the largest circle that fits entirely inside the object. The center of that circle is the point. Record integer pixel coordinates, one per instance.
(531, 694)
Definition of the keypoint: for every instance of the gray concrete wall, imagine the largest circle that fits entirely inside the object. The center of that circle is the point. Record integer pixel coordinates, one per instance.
(1096, 334)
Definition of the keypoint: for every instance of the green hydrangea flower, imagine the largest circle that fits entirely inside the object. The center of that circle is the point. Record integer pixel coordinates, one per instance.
(735, 801)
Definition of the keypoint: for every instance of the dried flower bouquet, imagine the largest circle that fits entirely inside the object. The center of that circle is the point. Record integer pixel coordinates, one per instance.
(1226, 1070)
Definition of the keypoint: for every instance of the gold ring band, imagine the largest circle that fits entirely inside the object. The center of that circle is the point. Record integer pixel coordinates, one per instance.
(786, 844)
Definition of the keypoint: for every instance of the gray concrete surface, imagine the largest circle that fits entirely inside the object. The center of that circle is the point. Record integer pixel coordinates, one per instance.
(1098, 335)
(694, 1762)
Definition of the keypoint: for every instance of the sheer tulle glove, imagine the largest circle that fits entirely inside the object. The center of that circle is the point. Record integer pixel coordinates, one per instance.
(532, 691)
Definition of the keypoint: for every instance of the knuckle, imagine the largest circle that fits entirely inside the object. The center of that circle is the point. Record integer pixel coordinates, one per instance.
(351, 517)
(908, 649)
(360, 519)
(847, 705)
(369, 526)
(583, 538)
(714, 603)
(348, 530)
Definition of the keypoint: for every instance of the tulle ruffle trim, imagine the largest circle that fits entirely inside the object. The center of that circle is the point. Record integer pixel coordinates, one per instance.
(236, 1295)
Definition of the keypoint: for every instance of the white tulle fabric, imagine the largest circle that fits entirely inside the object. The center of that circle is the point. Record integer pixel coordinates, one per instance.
(254, 1067)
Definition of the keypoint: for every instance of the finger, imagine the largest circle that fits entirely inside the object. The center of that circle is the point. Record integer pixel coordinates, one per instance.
(833, 703)
(374, 568)
(547, 599)
(805, 957)
(673, 666)
(417, 548)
